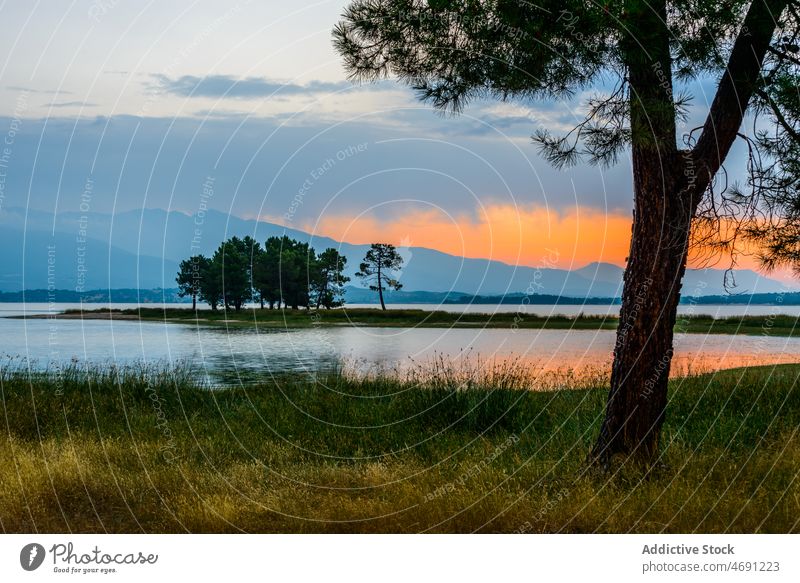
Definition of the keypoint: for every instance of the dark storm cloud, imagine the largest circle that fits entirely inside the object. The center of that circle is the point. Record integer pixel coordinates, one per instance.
(261, 164)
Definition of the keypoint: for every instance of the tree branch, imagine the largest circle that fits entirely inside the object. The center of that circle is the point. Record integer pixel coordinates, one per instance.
(736, 87)
(779, 117)
(784, 55)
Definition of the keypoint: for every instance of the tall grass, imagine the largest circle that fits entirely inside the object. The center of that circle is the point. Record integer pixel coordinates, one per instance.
(457, 449)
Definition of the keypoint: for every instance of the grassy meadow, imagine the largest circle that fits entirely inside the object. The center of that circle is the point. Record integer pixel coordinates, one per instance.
(138, 450)
(770, 325)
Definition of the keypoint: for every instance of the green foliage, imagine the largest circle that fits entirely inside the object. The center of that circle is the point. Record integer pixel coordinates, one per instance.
(285, 272)
(297, 262)
(266, 272)
(231, 265)
(454, 51)
(378, 269)
(190, 277)
(457, 50)
(328, 279)
(211, 284)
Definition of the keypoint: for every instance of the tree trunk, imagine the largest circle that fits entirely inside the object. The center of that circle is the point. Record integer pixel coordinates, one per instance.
(667, 188)
(659, 243)
(643, 349)
(380, 286)
(194, 302)
(321, 294)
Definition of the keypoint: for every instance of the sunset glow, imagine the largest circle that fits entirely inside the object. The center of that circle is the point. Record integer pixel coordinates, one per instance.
(525, 236)
(534, 236)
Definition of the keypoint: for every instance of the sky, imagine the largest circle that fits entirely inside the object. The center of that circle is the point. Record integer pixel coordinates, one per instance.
(114, 105)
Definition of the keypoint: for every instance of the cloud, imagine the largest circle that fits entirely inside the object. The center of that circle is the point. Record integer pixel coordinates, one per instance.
(39, 91)
(227, 86)
(223, 114)
(570, 237)
(261, 163)
(70, 104)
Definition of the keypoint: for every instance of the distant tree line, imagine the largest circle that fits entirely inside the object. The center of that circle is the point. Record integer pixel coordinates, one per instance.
(282, 273)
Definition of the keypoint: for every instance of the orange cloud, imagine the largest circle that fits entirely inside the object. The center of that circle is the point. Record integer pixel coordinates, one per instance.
(533, 236)
(523, 236)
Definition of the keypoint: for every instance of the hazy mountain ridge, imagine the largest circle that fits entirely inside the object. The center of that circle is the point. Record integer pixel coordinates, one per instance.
(96, 296)
(141, 249)
(355, 295)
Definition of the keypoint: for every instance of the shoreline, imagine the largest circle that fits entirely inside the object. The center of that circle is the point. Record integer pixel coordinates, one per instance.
(770, 325)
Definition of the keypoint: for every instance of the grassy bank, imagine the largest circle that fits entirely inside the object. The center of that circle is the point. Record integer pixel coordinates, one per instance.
(771, 325)
(136, 451)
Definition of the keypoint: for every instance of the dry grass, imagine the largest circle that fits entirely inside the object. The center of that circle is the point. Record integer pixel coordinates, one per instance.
(147, 451)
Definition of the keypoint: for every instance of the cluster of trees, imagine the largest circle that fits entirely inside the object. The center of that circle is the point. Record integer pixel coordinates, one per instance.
(282, 273)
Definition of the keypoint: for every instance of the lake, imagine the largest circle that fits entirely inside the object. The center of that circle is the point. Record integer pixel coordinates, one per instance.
(243, 354)
(716, 311)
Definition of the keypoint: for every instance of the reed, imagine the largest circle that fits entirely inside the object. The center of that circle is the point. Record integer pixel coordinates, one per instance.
(454, 448)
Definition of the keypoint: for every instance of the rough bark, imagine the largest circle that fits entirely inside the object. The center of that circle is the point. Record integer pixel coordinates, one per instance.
(643, 350)
(668, 185)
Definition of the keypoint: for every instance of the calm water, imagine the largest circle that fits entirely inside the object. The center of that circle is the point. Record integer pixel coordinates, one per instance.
(231, 356)
(716, 311)
(551, 310)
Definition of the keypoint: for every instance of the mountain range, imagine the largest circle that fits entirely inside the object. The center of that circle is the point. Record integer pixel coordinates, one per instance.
(142, 249)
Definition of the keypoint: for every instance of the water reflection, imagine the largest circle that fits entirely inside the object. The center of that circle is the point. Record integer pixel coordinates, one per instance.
(243, 355)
